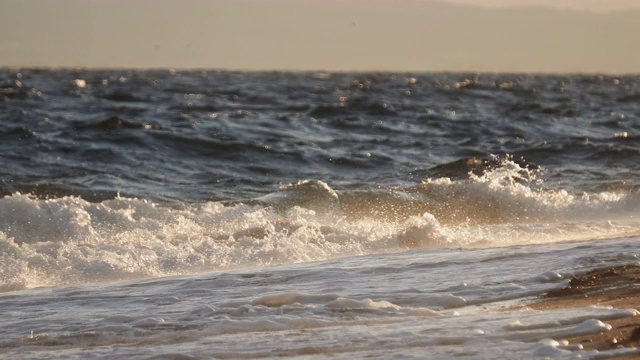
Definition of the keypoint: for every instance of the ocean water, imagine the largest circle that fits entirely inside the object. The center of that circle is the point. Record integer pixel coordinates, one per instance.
(168, 214)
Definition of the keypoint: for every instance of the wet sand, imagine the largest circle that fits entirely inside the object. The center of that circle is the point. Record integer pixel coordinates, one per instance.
(618, 287)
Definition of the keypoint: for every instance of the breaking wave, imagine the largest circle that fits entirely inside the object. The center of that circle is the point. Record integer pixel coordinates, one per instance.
(68, 240)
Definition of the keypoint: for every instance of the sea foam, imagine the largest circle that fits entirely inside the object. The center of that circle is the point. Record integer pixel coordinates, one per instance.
(69, 240)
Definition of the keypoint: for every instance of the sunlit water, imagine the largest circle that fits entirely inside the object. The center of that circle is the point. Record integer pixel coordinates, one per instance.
(177, 215)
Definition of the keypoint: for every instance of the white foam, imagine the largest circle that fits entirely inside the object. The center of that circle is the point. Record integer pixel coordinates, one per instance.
(348, 308)
(505, 194)
(335, 302)
(289, 298)
(345, 303)
(591, 326)
(70, 241)
(549, 348)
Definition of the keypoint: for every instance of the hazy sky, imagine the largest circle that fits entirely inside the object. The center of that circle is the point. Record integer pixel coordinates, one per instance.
(583, 5)
(398, 35)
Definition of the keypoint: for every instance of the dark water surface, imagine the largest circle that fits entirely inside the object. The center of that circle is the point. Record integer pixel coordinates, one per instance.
(192, 136)
(189, 214)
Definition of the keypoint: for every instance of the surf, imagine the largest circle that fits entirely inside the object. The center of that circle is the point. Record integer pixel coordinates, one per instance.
(69, 240)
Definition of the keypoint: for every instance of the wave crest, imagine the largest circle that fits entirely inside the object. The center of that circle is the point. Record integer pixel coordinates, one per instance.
(69, 240)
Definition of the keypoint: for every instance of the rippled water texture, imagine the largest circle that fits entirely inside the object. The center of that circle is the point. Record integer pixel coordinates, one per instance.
(207, 214)
(209, 135)
(132, 174)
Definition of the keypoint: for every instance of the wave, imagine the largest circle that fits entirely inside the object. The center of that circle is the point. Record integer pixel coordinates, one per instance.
(113, 123)
(352, 107)
(68, 240)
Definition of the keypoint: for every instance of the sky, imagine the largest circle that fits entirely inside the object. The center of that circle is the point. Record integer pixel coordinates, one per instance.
(601, 6)
(549, 36)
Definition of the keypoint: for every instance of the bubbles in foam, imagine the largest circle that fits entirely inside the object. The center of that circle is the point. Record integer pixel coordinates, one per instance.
(69, 240)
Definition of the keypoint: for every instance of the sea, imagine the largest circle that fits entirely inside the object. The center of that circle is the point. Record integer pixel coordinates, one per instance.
(207, 214)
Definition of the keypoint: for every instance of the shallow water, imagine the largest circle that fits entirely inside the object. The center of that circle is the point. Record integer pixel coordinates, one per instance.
(207, 214)
(435, 303)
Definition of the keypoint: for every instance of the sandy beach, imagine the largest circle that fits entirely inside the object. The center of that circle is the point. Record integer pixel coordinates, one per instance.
(618, 287)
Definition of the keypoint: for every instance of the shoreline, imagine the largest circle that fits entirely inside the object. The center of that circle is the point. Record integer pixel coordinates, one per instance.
(618, 287)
